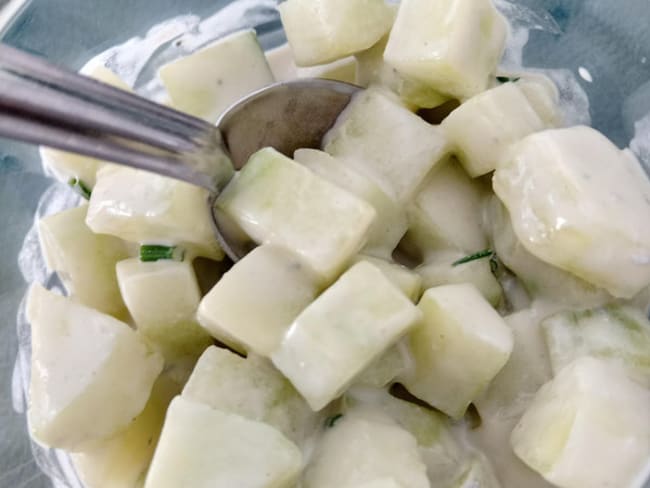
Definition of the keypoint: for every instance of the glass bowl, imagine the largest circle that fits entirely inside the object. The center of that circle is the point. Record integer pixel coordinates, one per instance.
(603, 48)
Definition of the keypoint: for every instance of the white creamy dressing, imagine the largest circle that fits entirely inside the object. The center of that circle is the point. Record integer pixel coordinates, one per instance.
(136, 62)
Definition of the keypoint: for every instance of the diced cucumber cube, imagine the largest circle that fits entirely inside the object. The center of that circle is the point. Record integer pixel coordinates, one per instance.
(492, 437)
(341, 70)
(201, 447)
(403, 278)
(84, 261)
(253, 305)
(484, 127)
(122, 460)
(587, 427)
(208, 81)
(543, 95)
(614, 333)
(91, 374)
(163, 297)
(284, 68)
(347, 327)
(527, 369)
(451, 45)
(444, 457)
(386, 142)
(441, 269)
(541, 280)
(459, 347)
(281, 63)
(142, 207)
(362, 446)
(387, 367)
(446, 212)
(64, 165)
(396, 360)
(641, 301)
(372, 69)
(320, 31)
(389, 225)
(381, 483)
(479, 475)
(579, 203)
(277, 201)
(251, 388)
(508, 396)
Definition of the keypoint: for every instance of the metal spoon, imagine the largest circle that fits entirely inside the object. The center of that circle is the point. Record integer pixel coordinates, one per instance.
(44, 104)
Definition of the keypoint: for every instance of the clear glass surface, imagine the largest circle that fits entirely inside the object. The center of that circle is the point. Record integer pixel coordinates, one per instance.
(605, 44)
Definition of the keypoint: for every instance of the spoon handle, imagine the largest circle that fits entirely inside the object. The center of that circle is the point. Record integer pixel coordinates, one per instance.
(43, 104)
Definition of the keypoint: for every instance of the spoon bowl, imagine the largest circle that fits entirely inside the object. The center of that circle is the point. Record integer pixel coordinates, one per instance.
(286, 116)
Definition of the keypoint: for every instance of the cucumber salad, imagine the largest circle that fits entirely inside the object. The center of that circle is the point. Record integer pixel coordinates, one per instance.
(451, 292)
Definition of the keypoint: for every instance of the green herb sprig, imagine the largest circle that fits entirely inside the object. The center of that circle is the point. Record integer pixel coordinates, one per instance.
(80, 187)
(486, 253)
(150, 253)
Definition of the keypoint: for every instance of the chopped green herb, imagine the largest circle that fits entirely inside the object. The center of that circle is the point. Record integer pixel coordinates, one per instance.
(506, 79)
(331, 421)
(149, 253)
(473, 257)
(80, 187)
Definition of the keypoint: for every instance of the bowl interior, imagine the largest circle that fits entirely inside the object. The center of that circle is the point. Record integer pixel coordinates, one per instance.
(605, 44)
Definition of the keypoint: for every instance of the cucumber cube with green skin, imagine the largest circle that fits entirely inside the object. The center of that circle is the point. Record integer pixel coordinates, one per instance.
(541, 280)
(321, 31)
(587, 427)
(251, 388)
(122, 460)
(347, 327)
(372, 69)
(253, 305)
(403, 278)
(84, 261)
(277, 201)
(614, 333)
(390, 223)
(206, 82)
(446, 212)
(284, 67)
(386, 142)
(579, 203)
(201, 447)
(146, 208)
(91, 374)
(363, 445)
(484, 127)
(441, 270)
(64, 165)
(451, 45)
(459, 347)
(163, 297)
